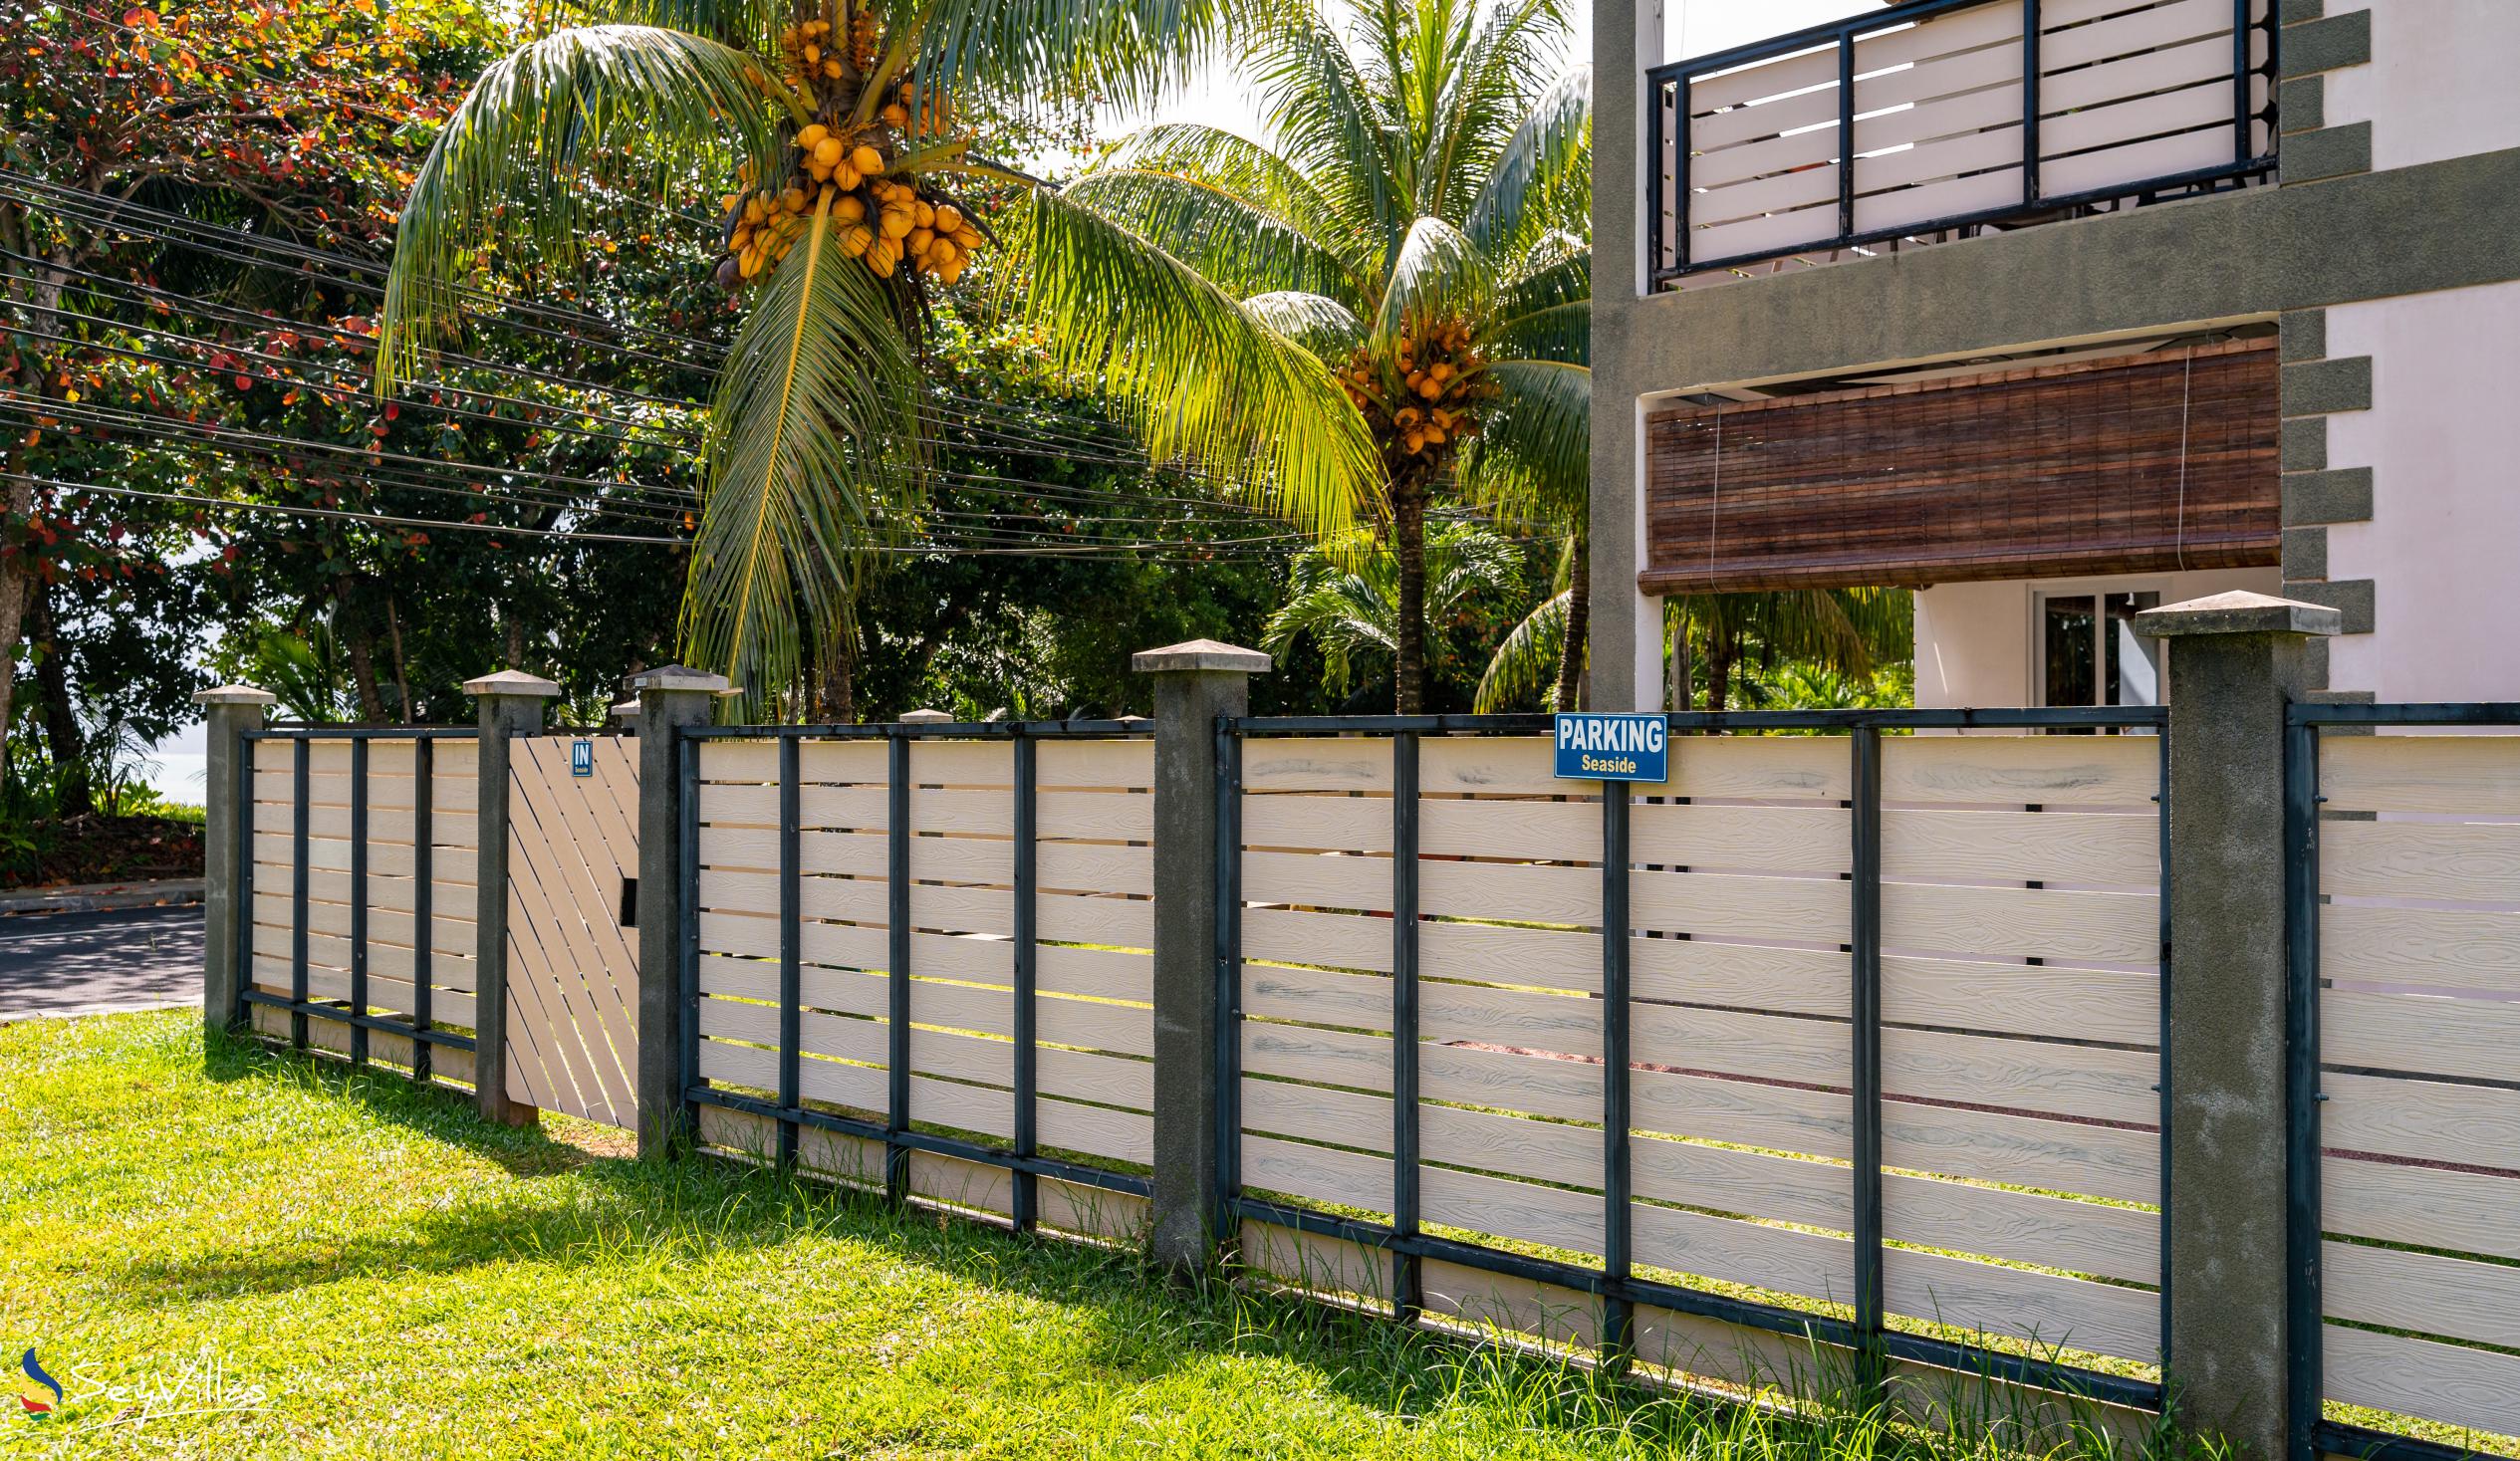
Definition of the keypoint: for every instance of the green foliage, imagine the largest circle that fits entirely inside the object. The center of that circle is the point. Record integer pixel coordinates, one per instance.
(1349, 608)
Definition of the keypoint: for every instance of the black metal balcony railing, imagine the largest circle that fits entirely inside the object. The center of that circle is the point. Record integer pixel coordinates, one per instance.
(1937, 116)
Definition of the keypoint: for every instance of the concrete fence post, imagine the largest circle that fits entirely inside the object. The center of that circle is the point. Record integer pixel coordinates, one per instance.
(1195, 682)
(232, 710)
(669, 698)
(2236, 661)
(510, 704)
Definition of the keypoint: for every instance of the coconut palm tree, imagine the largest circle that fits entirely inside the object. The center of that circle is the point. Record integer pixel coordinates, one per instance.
(838, 130)
(1417, 230)
(1349, 604)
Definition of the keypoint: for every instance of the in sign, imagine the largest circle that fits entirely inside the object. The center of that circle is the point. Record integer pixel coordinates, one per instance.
(1614, 748)
(581, 757)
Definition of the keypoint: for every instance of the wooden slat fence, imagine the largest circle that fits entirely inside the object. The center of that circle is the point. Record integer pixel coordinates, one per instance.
(349, 945)
(926, 961)
(1431, 1045)
(2418, 924)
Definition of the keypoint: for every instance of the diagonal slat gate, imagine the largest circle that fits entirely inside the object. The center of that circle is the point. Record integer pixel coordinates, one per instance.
(572, 968)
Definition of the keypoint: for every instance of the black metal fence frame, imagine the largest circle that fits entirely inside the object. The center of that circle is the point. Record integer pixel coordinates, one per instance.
(1866, 1337)
(788, 1111)
(421, 1029)
(2306, 1317)
(1666, 124)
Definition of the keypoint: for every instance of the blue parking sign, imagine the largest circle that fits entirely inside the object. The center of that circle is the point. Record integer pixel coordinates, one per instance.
(581, 757)
(1614, 747)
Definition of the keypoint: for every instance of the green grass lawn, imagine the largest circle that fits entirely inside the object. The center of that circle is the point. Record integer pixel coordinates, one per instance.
(255, 1255)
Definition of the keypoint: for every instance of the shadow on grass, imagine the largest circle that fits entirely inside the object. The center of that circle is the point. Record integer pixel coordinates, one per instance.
(1137, 1326)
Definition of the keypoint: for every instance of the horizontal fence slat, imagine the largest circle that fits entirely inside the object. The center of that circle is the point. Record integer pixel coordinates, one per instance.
(2467, 1212)
(2439, 1383)
(1737, 1043)
(2472, 1038)
(2091, 1082)
(1746, 1112)
(1994, 1146)
(1523, 1211)
(1301, 764)
(1744, 976)
(2022, 999)
(2050, 1310)
(2054, 771)
(1317, 1173)
(2429, 947)
(2426, 1121)
(2477, 862)
(1731, 839)
(1319, 1113)
(2472, 776)
(2024, 1227)
(1726, 1249)
(2085, 849)
(1750, 1183)
(2454, 1297)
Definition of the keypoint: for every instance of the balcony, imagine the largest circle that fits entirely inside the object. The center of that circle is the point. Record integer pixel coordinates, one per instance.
(1942, 118)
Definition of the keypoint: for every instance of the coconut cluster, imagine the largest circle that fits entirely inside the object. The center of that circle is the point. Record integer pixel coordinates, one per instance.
(1426, 393)
(881, 215)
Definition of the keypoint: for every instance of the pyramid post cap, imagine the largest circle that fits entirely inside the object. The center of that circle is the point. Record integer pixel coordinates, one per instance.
(513, 682)
(925, 717)
(2239, 612)
(680, 677)
(1200, 654)
(234, 695)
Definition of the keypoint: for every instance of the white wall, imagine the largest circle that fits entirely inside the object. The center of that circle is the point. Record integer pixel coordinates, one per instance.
(2439, 83)
(1973, 639)
(2442, 548)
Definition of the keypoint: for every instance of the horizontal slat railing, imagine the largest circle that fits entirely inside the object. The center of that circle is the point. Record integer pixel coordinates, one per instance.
(1779, 1044)
(2407, 916)
(1941, 116)
(919, 957)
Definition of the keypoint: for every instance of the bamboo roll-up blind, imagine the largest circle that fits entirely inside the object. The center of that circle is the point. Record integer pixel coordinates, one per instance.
(2137, 464)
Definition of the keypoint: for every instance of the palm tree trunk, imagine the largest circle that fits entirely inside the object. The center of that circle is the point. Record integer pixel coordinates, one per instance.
(401, 668)
(1719, 657)
(17, 586)
(840, 677)
(1573, 653)
(1684, 694)
(1409, 548)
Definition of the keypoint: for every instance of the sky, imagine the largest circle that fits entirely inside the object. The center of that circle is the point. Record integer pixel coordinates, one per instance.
(1222, 99)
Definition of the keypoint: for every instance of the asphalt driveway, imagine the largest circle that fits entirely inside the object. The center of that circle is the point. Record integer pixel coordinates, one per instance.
(88, 963)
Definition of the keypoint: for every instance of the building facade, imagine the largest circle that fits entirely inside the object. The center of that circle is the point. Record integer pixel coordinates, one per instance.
(2056, 310)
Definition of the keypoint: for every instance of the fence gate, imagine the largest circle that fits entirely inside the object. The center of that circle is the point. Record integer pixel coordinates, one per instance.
(572, 965)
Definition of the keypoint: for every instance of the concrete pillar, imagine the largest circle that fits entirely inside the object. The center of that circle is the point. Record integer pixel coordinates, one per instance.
(232, 711)
(1627, 627)
(510, 704)
(2236, 660)
(669, 698)
(1196, 683)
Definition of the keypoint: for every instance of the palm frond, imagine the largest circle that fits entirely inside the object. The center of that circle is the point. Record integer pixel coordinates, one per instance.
(1348, 603)
(1437, 274)
(750, 25)
(646, 104)
(808, 464)
(1209, 381)
(1122, 53)
(1536, 283)
(1552, 144)
(1532, 460)
(1322, 110)
(1322, 326)
(1248, 170)
(1524, 668)
(1240, 246)
(1560, 332)
(1488, 88)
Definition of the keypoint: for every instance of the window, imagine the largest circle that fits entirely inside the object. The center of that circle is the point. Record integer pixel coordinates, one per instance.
(2088, 652)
